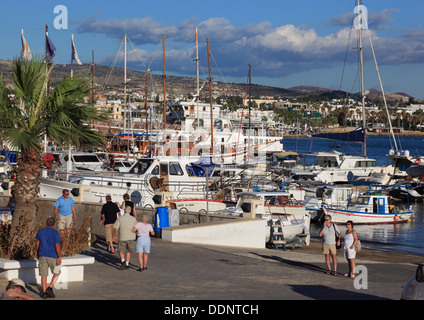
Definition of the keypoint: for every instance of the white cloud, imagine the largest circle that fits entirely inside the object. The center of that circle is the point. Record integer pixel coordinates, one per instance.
(273, 51)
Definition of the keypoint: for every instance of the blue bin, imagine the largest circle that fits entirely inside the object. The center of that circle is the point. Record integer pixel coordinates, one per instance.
(161, 219)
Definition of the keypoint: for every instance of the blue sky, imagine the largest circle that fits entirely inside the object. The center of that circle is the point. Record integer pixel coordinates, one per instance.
(288, 43)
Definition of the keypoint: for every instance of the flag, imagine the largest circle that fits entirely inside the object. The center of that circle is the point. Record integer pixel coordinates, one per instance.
(74, 53)
(50, 49)
(25, 51)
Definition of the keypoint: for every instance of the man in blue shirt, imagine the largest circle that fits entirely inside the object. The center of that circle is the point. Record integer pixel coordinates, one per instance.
(64, 209)
(49, 256)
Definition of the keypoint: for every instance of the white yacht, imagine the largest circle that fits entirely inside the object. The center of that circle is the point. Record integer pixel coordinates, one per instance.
(336, 167)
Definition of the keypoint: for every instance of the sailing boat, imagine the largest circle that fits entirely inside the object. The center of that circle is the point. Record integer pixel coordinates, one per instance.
(375, 207)
(346, 168)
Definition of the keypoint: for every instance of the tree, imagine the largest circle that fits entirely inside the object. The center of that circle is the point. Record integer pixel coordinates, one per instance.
(61, 115)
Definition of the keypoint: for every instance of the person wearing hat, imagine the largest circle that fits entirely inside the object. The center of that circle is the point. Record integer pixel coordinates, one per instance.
(15, 290)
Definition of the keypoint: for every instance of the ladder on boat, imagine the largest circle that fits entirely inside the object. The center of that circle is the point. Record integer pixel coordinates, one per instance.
(276, 238)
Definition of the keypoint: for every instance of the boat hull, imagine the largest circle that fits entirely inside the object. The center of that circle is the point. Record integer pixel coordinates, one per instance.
(342, 216)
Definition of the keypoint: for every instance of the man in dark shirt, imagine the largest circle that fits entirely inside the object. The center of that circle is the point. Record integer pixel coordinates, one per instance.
(110, 211)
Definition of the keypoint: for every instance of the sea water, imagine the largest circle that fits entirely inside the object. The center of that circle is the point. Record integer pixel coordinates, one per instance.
(406, 237)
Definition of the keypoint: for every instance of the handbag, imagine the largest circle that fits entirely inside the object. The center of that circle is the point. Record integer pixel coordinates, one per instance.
(358, 246)
(338, 246)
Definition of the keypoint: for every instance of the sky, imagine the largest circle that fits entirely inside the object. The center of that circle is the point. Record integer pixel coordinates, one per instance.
(287, 43)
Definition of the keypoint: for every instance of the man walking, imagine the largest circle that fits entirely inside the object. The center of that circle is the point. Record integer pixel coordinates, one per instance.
(64, 209)
(49, 256)
(109, 214)
(126, 245)
(331, 236)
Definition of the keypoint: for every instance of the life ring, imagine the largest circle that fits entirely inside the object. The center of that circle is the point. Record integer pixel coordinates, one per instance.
(47, 159)
(417, 161)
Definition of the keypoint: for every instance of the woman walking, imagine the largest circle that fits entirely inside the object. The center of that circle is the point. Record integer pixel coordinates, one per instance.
(144, 231)
(349, 252)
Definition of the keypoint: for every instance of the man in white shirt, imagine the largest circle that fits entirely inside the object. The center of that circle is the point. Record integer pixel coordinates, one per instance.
(331, 236)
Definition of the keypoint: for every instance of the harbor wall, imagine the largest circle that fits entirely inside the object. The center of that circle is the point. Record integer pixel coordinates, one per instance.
(194, 227)
(248, 233)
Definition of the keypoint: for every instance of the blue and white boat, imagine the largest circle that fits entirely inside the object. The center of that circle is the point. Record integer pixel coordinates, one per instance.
(375, 207)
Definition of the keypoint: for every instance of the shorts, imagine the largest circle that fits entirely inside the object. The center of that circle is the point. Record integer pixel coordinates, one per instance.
(46, 263)
(143, 245)
(329, 249)
(109, 232)
(349, 253)
(64, 222)
(126, 246)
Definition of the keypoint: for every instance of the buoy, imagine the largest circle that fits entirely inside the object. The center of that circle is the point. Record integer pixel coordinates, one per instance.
(47, 159)
(417, 161)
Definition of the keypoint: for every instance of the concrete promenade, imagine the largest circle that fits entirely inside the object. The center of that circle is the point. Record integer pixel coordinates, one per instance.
(193, 272)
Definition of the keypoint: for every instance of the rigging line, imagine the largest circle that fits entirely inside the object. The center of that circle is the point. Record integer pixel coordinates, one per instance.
(346, 54)
(213, 58)
(138, 53)
(154, 55)
(112, 67)
(382, 90)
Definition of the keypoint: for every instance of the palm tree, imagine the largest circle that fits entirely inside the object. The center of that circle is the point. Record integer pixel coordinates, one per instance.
(61, 115)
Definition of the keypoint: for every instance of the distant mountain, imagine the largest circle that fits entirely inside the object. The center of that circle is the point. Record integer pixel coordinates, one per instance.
(112, 79)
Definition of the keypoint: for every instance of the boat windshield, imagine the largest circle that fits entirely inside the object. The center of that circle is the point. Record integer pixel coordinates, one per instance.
(85, 158)
(363, 200)
(141, 166)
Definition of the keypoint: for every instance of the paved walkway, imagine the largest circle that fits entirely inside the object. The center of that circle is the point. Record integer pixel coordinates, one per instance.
(193, 272)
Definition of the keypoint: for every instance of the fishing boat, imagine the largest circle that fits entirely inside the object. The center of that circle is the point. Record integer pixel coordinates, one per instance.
(179, 176)
(339, 197)
(374, 207)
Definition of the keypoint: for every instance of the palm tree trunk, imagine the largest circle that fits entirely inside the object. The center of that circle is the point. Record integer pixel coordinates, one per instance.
(25, 192)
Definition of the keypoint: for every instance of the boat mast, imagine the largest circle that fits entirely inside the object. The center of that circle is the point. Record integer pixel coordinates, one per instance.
(92, 80)
(210, 93)
(361, 59)
(164, 88)
(250, 103)
(125, 94)
(197, 79)
(146, 92)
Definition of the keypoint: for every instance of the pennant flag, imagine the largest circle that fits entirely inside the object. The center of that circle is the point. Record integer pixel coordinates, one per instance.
(75, 54)
(25, 51)
(50, 49)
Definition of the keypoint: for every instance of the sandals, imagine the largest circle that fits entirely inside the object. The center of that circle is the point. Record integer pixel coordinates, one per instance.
(352, 276)
(334, 273)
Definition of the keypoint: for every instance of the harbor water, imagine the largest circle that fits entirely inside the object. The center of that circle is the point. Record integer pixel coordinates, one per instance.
(406, 237)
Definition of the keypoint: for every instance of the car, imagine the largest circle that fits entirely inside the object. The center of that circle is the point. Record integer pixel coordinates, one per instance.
(414, 288)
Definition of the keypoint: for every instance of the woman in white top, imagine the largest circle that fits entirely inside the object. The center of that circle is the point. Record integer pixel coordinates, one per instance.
(349, 252)
(144, 231)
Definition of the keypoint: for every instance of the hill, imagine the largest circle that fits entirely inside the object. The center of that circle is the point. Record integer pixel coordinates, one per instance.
(112, 79)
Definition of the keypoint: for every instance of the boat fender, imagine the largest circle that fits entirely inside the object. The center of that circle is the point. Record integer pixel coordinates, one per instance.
(417, 161)
(396, 218)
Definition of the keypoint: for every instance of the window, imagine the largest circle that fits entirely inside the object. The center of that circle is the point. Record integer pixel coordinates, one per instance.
(175, 169)
(141, 166)
(362, 200)
(155, 171)
(163, 169)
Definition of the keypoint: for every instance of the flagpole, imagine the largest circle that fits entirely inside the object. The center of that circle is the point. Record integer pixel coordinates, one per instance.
(72, 57)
